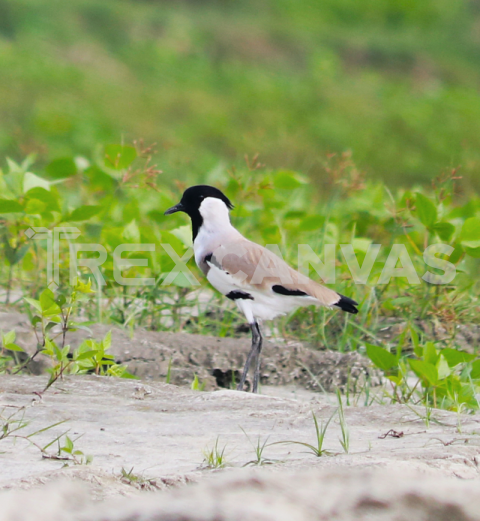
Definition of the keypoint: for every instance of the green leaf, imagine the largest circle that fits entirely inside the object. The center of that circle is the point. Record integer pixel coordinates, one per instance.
(475, 373)
(20, 253)
(119, 157)
(426, 210)
(85, 355)
(61, 168)
(46, 197)
(457, 254)
(443, 369)
(430, 353)
(60, 300)
(9, 251)
(381, 357)
(35, 303)
(68, 444)
(455, 357)
(444, 230)
(47, 299)
(8, 338)
(287, 180)
(470, 233)
(84, 213)
(10, 206)
(14, 347)
(473, 252)
(425, 370)
(34, 207)
(33, 181)
(415, 340)
(107, 341)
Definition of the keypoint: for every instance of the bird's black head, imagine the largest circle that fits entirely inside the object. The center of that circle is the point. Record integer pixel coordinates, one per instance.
(191, 200)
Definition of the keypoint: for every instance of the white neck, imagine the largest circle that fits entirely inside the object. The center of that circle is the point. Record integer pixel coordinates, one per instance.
(216, 228)
(215, 215)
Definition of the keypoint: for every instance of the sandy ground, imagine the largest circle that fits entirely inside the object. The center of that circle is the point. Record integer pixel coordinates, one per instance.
(162, 432)
(397, 467)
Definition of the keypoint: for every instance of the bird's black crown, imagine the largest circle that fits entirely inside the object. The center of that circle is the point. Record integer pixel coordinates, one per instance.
(192, 197)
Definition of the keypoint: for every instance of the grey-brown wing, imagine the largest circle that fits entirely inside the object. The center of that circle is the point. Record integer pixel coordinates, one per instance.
(253, 265)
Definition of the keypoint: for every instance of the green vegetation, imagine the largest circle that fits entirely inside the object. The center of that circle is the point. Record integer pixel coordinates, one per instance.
(12, 425)
(118, 199)
(214, 458)
(318, 449)
(395, 82)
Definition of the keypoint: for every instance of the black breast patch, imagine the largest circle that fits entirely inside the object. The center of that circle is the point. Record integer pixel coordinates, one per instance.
(210, 259)
(235, 295)
(282, 290)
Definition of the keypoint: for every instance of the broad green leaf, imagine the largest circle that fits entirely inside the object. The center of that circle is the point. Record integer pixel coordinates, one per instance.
(424, 370)
(85, 355)
(119, 157)
(61, 168)
(48, 198)
(430, 353)
(473, 252)
(35, 303)
(443, 370)
(34, 207)
(288, 180)
(396, 379)
(107, 341)
(426, 210)
(84, 213)
(444, 230)
(455, 357)
(475, 374)
(33, 181)
(415, 340)
(457, 254)
(14, 347)
(381, 357)
(99, 180)
(60, 300)
(470, 233)
(8, 338)
(47, 299)
(10, 206)
(470, 237)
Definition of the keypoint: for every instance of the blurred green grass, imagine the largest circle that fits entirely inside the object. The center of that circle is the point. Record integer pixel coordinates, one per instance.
(396, 82)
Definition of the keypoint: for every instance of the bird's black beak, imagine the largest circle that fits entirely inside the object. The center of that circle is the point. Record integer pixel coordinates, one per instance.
(177, 208)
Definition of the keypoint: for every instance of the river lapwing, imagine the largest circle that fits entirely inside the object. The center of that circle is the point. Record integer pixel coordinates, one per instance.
(261, 284)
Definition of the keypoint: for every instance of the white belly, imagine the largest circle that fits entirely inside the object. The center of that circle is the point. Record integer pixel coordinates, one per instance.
(266, 305)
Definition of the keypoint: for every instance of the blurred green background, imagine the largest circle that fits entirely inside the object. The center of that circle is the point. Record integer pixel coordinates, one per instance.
(394, 81)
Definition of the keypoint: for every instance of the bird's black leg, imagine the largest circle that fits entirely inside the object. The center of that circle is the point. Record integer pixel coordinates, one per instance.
(256, 376)
(256, 348)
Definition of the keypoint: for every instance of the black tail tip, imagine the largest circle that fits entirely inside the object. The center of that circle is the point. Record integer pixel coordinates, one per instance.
(347, 304)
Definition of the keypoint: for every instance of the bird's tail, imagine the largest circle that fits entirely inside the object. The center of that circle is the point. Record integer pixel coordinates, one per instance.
(347, 304)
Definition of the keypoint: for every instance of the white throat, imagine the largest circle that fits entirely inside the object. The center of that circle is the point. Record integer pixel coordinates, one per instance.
(215, 215)
(216, 228)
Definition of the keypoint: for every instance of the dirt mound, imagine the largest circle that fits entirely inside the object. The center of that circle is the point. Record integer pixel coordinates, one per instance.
(215, 361)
